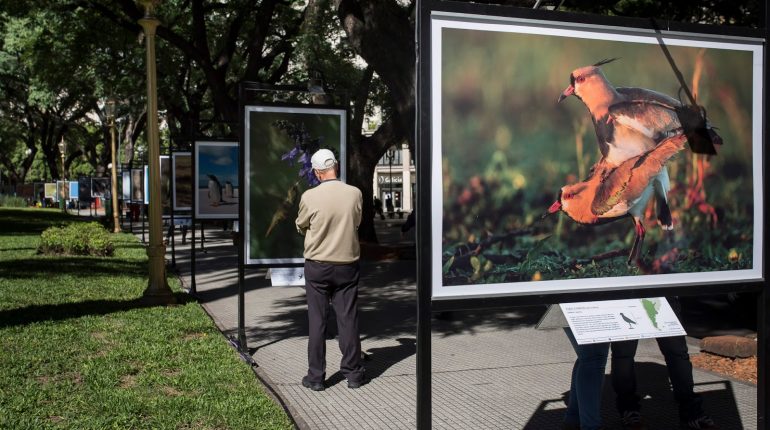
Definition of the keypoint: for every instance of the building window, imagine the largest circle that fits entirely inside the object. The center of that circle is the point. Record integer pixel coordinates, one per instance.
(396, 158)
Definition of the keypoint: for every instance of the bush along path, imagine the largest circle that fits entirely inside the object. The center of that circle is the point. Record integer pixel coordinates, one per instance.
(79, 352)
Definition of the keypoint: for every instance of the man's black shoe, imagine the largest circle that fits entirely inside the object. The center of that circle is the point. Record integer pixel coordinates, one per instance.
(315, 386)
(358, 384)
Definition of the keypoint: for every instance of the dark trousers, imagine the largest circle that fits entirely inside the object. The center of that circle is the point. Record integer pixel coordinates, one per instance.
(338, 284)
(674, 350)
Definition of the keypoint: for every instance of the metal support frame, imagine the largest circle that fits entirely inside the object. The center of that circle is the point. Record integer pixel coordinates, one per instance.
(244, 89)
(425, 305)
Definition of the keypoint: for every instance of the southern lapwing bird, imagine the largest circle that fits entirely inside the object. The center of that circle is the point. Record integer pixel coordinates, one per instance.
(630, 121)
(614, 192)
(628, 320)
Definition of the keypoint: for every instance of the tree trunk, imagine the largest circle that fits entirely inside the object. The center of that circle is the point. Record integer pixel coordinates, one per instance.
(363, 160)
(382, 34)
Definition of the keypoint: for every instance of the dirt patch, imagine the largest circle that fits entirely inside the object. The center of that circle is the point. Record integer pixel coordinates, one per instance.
(193, 336)
(128, 381)
(73, 377)
(55, 419)
(99, 335)
(171, 373)
(744, 369)
(170, 391)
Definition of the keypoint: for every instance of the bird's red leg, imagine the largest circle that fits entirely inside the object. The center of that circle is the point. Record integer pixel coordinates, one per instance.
(638, 239)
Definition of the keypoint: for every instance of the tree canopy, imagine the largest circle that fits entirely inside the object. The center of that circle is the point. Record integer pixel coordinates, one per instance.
(61, 59)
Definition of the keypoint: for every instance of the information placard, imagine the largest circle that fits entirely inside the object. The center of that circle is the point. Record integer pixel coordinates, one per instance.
(616, 320)
(287, 276)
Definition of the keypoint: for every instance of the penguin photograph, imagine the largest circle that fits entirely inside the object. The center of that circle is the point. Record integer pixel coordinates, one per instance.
(216, 164)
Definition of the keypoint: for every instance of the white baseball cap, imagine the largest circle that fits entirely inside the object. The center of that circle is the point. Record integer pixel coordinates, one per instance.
(323, 159)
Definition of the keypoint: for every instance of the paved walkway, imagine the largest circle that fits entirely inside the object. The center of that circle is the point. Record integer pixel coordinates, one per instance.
(491, 370)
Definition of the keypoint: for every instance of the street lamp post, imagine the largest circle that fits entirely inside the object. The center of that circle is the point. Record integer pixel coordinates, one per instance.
(110, 106)
(391, 153)
(157, 291)
(63, 176)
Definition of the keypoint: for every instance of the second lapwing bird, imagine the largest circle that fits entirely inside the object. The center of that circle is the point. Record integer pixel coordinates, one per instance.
(614, 192)
(630, 121)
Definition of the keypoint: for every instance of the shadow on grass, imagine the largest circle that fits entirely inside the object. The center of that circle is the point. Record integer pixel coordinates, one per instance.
(85, 267)
(32, 221)
(63, 311)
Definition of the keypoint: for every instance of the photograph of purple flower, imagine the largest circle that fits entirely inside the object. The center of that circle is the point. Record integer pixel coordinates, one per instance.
(278, 144)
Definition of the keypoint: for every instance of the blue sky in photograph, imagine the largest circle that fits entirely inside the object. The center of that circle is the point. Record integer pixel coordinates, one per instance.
(220, 161)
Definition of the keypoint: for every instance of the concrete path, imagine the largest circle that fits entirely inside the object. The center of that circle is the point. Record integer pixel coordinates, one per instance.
(491, 370)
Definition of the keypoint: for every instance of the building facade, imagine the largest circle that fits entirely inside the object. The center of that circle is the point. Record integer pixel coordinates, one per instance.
(395, 178)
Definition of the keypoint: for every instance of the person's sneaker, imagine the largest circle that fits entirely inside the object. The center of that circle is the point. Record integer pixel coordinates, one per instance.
(703, 422)
(358, 384)
(632, 420)
(315, 386)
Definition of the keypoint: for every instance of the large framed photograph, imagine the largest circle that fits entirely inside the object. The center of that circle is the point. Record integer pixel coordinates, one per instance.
(146, 184)
(62, 190)
(570, 157)
(181, 186)
(26, 191)
(278, 144)
(137, 185)
(74, 190)
(165, 185)
(216, 180)
(100, 187)
(125, 182)
(84, 189)
(50, 191)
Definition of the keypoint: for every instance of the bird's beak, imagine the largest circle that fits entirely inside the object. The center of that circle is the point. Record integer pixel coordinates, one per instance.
(555, 207)
(568, 92)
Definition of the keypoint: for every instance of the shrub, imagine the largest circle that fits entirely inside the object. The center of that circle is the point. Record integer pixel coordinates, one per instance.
(12, 202)
(77, 239)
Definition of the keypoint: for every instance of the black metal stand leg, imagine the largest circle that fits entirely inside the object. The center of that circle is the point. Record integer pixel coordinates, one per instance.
(193, 289)
(763, 350)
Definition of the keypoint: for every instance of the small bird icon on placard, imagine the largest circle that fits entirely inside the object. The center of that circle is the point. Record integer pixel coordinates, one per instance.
(628, 320)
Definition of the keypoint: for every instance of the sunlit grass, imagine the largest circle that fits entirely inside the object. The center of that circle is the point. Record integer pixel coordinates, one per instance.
(79, 352)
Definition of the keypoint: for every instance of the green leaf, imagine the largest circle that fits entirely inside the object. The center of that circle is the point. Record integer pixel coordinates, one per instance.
(448, 265)
(476, 264)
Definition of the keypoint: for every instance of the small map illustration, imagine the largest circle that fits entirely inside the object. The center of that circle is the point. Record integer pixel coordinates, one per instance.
(652, 308)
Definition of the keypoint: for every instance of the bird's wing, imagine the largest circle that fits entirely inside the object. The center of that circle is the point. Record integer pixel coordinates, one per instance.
(692, 119)
(630, 93)
(650, 118)
(626, 183)
(605, 132)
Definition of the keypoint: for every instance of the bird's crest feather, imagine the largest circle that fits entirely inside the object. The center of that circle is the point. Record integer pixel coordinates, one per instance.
(605, 61)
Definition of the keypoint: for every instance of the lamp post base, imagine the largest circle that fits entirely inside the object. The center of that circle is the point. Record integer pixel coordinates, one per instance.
(158, 291)
(157, 299)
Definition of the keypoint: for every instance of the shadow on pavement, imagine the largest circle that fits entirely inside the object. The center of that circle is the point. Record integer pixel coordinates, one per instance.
(658, 407)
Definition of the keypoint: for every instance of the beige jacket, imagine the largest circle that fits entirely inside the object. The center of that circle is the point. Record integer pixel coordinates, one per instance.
(329, 216)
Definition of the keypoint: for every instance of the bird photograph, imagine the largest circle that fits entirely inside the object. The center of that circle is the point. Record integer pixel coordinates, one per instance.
(216, 165)
(592, 157)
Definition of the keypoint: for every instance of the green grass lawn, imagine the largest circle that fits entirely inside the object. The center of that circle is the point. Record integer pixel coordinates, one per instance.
(77, 351)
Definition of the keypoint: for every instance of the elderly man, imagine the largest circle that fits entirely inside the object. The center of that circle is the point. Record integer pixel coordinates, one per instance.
(329, 216)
